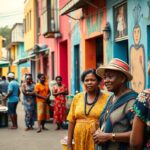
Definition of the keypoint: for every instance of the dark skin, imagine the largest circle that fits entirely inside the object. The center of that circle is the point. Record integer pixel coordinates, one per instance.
(10, 92)
(114, 82)
(42, 81)
(91, 86)
(137, 134)
(59, 84)
(28, 82)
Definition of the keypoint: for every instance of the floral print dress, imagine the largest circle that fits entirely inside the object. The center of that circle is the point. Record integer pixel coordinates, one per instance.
(60, 105)
(142, 110)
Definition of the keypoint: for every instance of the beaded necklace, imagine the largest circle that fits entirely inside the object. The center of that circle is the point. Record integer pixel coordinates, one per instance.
(92, 104)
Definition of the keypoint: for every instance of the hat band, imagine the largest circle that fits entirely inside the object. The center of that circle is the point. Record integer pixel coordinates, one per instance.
(120, 64)
(119, 67)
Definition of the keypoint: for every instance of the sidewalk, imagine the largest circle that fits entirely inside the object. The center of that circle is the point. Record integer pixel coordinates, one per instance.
(30, 140)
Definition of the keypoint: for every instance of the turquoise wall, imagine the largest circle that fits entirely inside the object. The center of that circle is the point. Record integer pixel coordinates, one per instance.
(21, 54)
(120, 49)
(75, 40)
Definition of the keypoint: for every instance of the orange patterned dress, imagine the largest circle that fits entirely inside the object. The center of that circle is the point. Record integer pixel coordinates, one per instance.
(42, 106)
(60, 104)
(83, 124)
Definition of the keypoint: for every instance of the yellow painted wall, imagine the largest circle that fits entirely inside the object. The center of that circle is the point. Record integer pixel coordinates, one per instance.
(13, 68)
(29, 35)
(4, 71)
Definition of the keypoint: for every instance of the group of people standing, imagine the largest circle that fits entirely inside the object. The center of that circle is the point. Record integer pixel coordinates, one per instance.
(115, 120)
(36, 100)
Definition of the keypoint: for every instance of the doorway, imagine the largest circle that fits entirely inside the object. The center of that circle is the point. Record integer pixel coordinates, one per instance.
(77, 68)
(94, 52)
(64, 62)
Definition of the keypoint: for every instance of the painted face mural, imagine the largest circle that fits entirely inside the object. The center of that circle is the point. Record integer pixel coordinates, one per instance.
(137, 54)
(136, 34)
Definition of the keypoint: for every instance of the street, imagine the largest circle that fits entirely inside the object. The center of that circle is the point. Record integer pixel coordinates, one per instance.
(20, 139)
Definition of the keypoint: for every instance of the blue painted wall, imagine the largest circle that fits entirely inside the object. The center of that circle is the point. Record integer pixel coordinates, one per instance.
(118, 49)
(75, 39)
(21, 53)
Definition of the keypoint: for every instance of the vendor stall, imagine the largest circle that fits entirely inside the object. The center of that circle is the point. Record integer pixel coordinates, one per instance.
(3, 116)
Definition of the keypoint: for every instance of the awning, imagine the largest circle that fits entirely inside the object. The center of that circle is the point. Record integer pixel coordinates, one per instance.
(4, 63)
(72, 6)
(22, 60)
(41, 50)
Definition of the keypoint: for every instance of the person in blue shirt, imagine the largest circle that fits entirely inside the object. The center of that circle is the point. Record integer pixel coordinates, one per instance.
(12, 98)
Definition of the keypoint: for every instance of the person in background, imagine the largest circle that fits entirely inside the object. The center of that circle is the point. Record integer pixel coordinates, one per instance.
(140, 135)
(84, 113)
(59, 92)
(29, 101)
(3, 88)
(42, 96)
(13, 98)
(117, 116)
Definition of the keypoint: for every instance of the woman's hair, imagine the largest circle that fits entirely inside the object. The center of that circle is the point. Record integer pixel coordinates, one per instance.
(28, 75)
(58, 77)
(93, 71)
(40, 75)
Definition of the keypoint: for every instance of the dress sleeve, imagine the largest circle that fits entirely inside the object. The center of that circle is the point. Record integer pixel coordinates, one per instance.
(141, 106)
(71, 115)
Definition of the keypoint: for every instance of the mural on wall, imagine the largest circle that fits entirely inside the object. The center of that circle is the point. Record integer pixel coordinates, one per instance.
(137, 54)
(120, 21)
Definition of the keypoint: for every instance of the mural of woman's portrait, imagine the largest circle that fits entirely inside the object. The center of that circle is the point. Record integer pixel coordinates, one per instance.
(137, 53)
(120, 21)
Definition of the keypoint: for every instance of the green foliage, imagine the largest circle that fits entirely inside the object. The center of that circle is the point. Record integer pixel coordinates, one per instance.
(6, 33)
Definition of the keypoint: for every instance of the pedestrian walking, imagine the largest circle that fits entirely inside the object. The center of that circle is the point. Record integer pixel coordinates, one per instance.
(29, 101)
(42, 97)
(140, 135)
(116, 118)
(3, 88)
(84, 113)
(13, 98)
(59, 92)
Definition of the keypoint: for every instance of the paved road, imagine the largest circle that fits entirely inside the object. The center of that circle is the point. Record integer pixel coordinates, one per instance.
(30, 140)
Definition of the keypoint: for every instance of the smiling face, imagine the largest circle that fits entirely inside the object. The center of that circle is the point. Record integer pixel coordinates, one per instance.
(90, 82)
(113, 80)
(137, 34)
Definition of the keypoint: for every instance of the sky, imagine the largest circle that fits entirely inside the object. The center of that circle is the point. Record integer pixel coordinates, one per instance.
(11, 12)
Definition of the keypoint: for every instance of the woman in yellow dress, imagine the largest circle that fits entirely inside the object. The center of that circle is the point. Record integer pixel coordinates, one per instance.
(85, 111)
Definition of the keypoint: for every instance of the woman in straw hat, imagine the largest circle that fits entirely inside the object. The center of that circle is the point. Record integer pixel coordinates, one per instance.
(116, 118)
(140, 135)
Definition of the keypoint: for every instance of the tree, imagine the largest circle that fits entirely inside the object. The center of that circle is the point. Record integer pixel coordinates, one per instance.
(6, 33)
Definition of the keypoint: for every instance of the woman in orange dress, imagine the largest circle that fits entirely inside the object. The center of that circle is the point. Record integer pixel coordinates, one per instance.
(42, 95)
(84, 113)
(59, 91)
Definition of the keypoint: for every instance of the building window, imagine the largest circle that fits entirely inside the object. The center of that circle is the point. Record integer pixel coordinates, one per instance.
(49, 17)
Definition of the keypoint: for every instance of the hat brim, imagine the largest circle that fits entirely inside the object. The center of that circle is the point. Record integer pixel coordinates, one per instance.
(101, 70)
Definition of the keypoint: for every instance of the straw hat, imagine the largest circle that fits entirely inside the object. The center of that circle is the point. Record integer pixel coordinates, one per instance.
(118, 65)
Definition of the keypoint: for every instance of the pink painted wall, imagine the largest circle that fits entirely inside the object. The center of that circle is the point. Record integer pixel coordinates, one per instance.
(54, 46)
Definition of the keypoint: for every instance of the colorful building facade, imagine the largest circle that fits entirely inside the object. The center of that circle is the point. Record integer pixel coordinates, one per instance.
(130, 34)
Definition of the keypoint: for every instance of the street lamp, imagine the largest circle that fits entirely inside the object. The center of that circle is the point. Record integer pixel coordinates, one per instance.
(106, 31)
